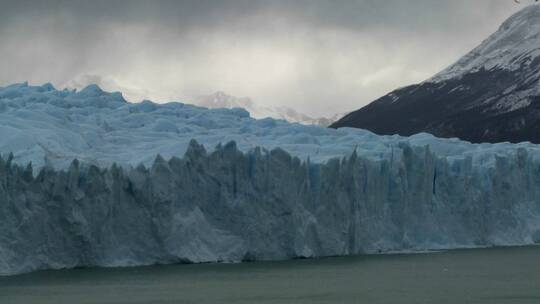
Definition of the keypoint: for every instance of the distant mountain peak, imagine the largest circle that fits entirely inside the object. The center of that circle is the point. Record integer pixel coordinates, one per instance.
(220, 99)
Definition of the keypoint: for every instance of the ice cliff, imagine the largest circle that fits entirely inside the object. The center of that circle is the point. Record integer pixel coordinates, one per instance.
(324, 193)
(233, 206)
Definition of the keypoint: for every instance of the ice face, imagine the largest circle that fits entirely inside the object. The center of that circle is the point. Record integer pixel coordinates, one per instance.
(233, 206)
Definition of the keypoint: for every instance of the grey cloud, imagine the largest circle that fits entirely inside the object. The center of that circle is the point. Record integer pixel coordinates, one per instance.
(318, 56)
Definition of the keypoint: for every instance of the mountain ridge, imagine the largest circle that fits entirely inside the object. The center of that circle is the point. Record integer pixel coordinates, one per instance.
(489, 95)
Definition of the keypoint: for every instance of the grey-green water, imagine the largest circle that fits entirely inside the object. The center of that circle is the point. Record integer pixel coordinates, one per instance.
(505, 275)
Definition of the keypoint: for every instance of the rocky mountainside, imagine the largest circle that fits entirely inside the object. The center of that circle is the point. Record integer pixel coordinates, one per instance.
(491, 94)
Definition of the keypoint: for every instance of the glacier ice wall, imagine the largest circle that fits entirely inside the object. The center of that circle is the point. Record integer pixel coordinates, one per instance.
(228, 205)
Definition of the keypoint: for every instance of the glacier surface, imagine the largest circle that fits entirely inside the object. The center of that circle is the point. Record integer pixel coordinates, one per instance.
(45, 126)
(119, 184)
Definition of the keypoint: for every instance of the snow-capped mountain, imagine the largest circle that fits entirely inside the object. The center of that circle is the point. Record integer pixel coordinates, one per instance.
(222, 100)
(94, 180)
(492, 94)
(216, 100)
(514, 46)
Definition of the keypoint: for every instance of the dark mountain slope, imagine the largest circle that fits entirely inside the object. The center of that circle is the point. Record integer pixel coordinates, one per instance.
(490, 95)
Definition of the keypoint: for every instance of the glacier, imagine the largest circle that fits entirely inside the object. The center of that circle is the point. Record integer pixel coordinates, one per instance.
(87, 179)
(50, 127)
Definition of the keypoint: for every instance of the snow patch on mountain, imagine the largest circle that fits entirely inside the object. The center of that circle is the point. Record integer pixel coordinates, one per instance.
(515, 45)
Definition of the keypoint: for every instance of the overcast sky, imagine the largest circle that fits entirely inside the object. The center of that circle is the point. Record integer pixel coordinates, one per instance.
(320, 57)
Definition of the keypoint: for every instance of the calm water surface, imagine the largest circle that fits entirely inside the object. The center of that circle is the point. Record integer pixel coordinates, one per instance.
(491, 276)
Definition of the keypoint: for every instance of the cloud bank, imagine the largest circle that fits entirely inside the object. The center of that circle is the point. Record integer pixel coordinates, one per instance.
(320, 57)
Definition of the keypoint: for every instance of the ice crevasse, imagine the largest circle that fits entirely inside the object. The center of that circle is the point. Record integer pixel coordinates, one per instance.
(118, 184)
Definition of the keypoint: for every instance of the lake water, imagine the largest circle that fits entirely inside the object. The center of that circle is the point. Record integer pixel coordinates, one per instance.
(491, 276)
